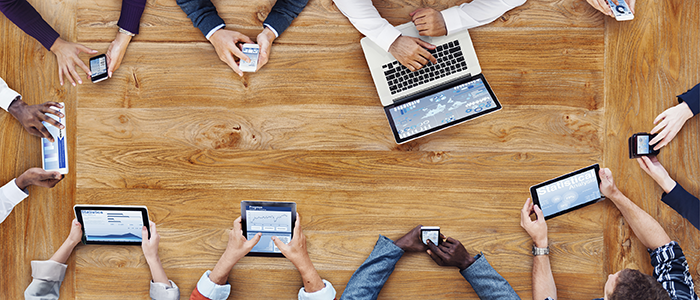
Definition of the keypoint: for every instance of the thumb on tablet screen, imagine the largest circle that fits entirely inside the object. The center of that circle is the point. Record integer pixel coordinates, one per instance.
(254, 241)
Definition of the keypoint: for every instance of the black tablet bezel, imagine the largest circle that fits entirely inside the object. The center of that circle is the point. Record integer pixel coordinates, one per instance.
(95, 78)
(244, 227)
(395, 132)
(536, 200)
(144, 214)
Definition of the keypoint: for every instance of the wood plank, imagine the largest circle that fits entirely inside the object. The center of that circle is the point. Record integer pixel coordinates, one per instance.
(315, 127)
(537, 75)
(320, 23)
(649, 55)
(39, 224)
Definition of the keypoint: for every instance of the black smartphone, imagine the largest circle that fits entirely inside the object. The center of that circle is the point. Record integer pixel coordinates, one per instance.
(431, 233)
(639, 145)
(98, 68)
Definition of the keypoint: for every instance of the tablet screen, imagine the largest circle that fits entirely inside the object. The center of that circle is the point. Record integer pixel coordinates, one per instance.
(440, 109)
(270, 221)
(568, 192)
(120, 226)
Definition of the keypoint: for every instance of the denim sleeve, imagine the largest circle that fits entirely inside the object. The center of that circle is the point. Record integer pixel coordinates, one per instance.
(368, 280)
(487, 283)
(671, 270)
(202, 13)
(684, 203)
(692, 98)
(283, 13)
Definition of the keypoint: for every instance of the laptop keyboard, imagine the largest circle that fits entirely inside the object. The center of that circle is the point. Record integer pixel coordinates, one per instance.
(449, 61)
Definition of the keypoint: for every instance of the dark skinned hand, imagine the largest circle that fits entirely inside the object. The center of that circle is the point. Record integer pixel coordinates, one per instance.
(450, 253)
(411, 241)
(31, 117)
(38, 177)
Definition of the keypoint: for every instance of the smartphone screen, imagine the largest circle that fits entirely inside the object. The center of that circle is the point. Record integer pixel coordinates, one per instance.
(431, 233)
(98, 68)
(643, 145)
(250, 50)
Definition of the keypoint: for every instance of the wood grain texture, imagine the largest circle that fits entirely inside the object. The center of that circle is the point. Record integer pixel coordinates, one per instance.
(653, 55)
(38, 225)
(176, 130)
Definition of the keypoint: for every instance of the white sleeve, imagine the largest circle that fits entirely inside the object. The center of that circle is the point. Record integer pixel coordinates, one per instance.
(6, 95)
(48, 275)
(326, 293)
(367, 20)
(10, 195)
(162, 291)
(476, 13)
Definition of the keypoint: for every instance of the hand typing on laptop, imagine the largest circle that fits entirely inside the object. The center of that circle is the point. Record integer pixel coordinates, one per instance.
(412, 52)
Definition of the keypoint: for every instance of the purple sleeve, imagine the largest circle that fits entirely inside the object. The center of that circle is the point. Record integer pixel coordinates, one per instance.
(29, 20)
(131, 15)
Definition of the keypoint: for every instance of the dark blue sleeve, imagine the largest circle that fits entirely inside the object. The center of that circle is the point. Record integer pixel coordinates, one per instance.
(283, 13)
(28, 19)
(202, 13)
(486, 282)
(684, 203)
(692, 98)
(368, 280)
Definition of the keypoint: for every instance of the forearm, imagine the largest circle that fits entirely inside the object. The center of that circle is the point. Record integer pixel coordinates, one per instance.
(283, 13)
(365, 17)
(684, 203)
(543, 285)
(22, 14)
(369, 278)
(312, 281)
(692, 99)
(476, 13)
(157, 271)
(64, 252)
(486, 282)
(202, 13)
(130, 16)
(219, 274)
(646, 228)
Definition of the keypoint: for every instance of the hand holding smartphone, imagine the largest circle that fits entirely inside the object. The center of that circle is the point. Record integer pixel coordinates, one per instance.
(431, 233)
(252, 51)
(639, 145)
(621, 10)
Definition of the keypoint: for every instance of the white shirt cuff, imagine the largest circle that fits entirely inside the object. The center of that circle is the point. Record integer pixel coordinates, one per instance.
(211, 290)
(452, 18)
(162, 291)
(326, 293)
(273, 30)
(387, 37)
(12, 192)
(7, 95)
(211, 32)
(48, 270)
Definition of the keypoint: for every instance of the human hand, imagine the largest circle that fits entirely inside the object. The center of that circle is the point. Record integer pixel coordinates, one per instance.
(604, 7)
(411, 241)
(150, 245)
(411, 52)
(429, 22)
(67, 57)
(652, 166)
(671, 122)
(264, 40)
(607, 185)
(238, 246)
(31, 117)
(295, 250)
(225, 43)
(76, 232)
(537, 229)
(116, 52)
(38, 177)
(450, 253)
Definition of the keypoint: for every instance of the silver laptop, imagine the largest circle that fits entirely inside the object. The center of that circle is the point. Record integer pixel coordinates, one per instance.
(437, 96)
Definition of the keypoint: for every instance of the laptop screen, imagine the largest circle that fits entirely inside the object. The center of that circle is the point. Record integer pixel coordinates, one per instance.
(441, 107)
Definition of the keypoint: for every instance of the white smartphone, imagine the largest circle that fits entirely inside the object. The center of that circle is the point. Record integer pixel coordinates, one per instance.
(250, 50)
(55, 155)
(621, 11)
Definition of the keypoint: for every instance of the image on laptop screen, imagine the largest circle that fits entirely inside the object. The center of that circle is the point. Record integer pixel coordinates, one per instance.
(441, 109)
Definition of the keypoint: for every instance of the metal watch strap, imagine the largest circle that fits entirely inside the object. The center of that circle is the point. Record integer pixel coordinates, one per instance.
(124, 31)
(539, 251)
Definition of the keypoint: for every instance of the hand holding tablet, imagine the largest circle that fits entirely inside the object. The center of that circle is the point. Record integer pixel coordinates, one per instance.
(269, 219)
(112, 225)
(568, 192)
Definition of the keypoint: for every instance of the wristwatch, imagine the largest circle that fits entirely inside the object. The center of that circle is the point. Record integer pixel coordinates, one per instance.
(539, 251)
(124, 31)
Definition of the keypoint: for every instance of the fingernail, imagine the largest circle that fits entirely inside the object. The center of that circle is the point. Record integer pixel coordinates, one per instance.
(73, 84)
